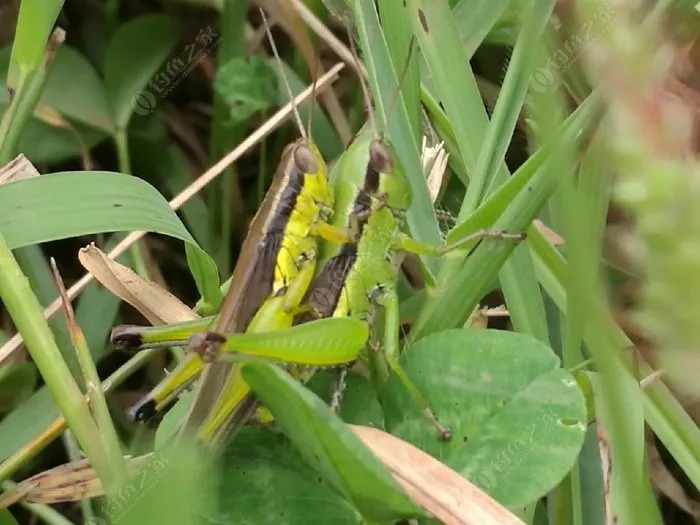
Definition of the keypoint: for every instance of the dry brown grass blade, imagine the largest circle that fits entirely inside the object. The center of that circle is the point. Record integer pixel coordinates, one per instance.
(433, 485)
(266, 128)
(552, 237)
(18, 168)
(74, 481)
(154, 302)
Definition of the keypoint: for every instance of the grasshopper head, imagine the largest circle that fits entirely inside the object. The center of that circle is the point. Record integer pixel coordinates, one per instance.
(384, 172)
(309, 162)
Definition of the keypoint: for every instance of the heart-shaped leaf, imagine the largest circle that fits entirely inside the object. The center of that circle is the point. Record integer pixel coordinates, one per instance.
(517, 418)
(265, 480)
(133, 57)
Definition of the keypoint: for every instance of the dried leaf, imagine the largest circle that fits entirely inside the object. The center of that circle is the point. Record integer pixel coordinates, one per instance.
(155, 303)
(19, 168)
(434, 160)
(74, 481)
(433, 485)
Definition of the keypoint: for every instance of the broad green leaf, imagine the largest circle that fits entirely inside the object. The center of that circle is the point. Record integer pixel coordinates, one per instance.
(43, 143)
(247, 86)
(135, 54)
(328, 445)
(517, 418)
(74, 89)
(17, 382)
(34, 23)
(266, 481)
(86, 202)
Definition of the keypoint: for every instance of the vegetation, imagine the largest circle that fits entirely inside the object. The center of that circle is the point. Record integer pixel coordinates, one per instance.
(563, 365)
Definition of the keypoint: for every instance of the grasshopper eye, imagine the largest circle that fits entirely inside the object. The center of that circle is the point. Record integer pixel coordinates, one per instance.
(304, 160)
(380, 157)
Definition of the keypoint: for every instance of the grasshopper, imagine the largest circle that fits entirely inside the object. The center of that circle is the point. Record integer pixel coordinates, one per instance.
(273, 271)
(358, 278)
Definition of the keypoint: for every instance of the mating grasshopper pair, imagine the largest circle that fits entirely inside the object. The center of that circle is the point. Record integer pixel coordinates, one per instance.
(359, 212)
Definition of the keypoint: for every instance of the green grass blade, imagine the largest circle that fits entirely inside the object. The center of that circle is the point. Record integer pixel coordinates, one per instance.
(509, 104)
(475, 19)
(329, 446)
(457, 297)
(664, 414)
(87, 202)
(34, 24)
(454, 82)
(398, 34)
(456, 88)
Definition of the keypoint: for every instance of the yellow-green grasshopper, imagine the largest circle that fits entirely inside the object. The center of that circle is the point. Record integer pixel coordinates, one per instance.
(272, 273)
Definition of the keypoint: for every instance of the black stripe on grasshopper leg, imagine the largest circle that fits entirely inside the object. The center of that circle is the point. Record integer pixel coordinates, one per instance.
(126, 337)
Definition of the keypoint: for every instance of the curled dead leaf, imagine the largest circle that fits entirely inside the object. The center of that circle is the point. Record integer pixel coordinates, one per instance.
(156, 304)
(74, 481)
(433, 485)
(18, 168)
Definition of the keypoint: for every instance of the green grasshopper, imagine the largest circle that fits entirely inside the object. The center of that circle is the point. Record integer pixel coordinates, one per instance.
(358, 279)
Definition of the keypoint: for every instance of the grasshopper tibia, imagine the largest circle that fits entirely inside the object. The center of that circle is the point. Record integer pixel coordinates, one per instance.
(142, 412)
(126, 337)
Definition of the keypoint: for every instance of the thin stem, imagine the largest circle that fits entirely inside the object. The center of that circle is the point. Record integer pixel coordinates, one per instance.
(26, 312)
(25, 99)
(98, 404)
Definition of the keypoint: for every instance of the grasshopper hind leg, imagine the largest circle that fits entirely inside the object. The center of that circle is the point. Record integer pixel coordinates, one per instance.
(390, 301)
(338, 389)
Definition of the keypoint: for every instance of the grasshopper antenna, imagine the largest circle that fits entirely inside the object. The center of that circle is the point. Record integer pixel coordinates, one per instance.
(312, 103)
(365, 90)
(397, 89)
(297, 117)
